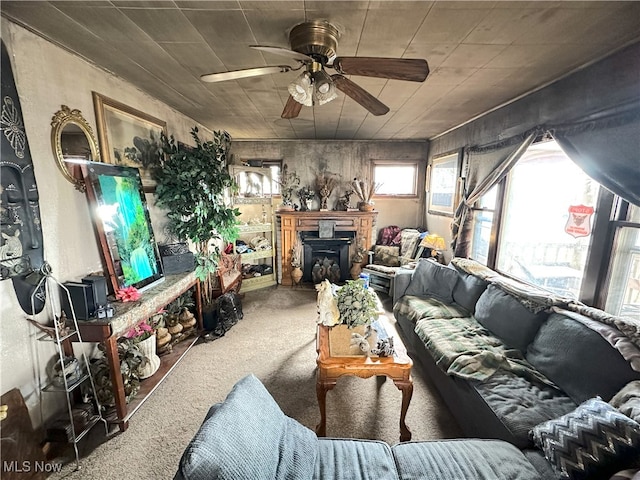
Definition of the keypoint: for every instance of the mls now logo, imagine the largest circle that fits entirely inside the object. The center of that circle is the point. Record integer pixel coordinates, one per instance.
(29, 466)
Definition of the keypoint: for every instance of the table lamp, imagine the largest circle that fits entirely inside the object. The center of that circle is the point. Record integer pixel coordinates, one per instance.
(435, 243)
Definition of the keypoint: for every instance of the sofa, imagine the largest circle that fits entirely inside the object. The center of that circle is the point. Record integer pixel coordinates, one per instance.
(248, 437)
(508, 357)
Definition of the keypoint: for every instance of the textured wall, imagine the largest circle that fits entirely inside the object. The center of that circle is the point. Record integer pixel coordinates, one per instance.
(48, 77)
(348, 159)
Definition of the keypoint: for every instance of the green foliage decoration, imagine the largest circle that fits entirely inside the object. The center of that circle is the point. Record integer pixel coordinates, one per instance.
(356, 304)
(194, 185)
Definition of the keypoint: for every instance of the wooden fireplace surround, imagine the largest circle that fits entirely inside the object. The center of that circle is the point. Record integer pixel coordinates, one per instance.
(291, 223)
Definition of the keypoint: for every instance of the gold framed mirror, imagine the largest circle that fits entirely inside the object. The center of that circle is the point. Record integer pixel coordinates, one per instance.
(72, 139)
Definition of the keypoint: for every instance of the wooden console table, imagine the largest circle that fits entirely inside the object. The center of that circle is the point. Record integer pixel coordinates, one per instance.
(127, 316)
(291, 223)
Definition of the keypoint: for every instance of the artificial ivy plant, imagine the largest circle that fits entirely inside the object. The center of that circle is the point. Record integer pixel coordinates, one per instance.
(193, 184)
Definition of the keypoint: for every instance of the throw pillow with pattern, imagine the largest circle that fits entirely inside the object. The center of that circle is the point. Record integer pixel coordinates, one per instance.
(593, 441)
(387, 256)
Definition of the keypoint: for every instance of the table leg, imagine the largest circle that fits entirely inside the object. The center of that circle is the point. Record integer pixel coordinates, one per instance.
(407, 391)
(321, 391)
(111, 352)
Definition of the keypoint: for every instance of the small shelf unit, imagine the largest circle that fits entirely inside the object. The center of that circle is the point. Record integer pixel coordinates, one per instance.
(64, 334)
(257, 219)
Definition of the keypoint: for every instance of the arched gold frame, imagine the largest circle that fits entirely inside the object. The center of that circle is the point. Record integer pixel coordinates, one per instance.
(63, 117)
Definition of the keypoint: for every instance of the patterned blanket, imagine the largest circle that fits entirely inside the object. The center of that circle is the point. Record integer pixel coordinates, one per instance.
(462, 347)
(537, 299)
(417, 308)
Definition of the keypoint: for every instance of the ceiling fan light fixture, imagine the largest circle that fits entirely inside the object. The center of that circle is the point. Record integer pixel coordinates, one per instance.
(325, 97)
(301, 89)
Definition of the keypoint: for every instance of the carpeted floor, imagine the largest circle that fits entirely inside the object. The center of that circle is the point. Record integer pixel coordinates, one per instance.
(276, 342)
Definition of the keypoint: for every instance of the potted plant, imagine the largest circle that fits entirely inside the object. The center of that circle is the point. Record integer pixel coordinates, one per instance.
(194, 184)
(288, 182)
(306, 194)
(358, 308)
(365, 191)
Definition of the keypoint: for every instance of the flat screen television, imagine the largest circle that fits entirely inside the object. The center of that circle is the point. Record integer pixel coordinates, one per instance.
(123, 225)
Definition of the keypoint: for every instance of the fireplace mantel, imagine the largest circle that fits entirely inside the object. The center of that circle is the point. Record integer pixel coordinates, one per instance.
(291, 223)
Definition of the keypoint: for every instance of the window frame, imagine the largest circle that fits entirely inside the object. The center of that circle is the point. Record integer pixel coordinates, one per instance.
(437, 162)
(396, 163)
(611, 215)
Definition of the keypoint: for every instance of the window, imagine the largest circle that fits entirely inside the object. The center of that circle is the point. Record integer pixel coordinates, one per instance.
(396, 178)
(537, 225)
(546, 220)
(483, 214)
(623, 290)
(265, 188)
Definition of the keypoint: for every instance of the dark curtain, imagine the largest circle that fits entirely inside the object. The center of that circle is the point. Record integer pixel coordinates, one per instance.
(487, 166)
(607, 149)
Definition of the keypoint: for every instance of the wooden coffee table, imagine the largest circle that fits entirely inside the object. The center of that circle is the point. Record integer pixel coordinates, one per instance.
(397, 368)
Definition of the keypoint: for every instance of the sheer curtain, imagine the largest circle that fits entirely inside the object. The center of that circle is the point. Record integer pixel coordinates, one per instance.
(487, 165)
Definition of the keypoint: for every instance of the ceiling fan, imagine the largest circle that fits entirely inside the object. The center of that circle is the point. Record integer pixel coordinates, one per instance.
(314, 48)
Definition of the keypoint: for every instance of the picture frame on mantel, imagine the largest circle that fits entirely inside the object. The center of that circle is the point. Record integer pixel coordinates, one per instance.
(128, 137)
(441, 183)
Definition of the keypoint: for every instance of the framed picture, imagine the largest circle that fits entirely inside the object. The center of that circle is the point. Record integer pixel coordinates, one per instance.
(128, 137)
(123, 226)
(442, 181)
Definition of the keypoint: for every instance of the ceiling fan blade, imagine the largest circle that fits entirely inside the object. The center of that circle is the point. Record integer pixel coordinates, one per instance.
(301, 57)
(360, 95)
(413, 70)
(291, 108)
(247, 72)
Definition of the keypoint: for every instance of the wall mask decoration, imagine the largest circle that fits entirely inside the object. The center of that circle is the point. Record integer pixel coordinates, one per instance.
(21, 250)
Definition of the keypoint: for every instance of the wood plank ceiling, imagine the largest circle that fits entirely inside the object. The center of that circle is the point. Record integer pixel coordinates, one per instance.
(481, 55)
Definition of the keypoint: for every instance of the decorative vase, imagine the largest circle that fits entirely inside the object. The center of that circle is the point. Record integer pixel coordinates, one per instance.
(356, 269)
(365, 206)
(148, 348)
(296, 275)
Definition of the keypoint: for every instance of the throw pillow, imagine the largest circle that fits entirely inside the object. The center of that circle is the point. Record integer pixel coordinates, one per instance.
(593, 441)
(627, 400)
(578, 360)
(508, 319)
(431, 279)
(387, 256)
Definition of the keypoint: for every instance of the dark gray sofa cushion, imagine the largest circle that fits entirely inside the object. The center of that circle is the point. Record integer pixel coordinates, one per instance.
(504, 316)
(432, 279)
(462, 459)
(578, 360)
(248, 436)
(352, 459)
(468, 289)
(521, 404)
